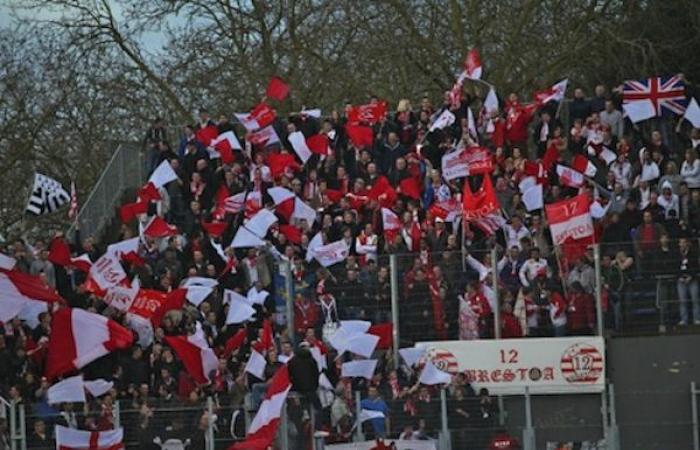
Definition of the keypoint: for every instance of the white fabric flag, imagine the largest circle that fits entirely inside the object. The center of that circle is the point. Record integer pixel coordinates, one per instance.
(98, 387)
(72, 439)
(362, 344)
(303, 211)
(390, 220)
(70, 390)
(163, 174)
(256, 365)
(315, 113)
(491, 101)
(411, 355)
(692, 113)
(261, 222)
(607, 155)
(11, 300)
(199, 281)
(639, 110)
(31, 310)
(526, 183)
(445, 119)
(355, 326)
(197, 294)
(332, 253)
(255, 297)
(7, 262)
(239, 310)
(124, 247)
(368, 414)
(361, 368)
(121, 297)
(316, 242)
(533, 198)
(280, 194)
(245, 238)
(107, 271)
(298, 142)
(433, 375)
(247, 121)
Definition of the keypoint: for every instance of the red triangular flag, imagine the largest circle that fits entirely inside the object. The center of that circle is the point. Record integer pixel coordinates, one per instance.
(207, 134)
(286, 208)
(158, 228)
(279, 162)
(551, 156)
(175, 300)
(148, 192)
(234, 342)
(199, 361)
(318, 143)
(359, 135)
(292, 233)
(129, 211)
(385, 333)
(277, 89)
(214, 229)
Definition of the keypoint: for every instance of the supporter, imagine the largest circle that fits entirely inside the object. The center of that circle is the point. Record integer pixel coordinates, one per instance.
(580, 311)
(690, 169)
(688, 285)
(379, 427)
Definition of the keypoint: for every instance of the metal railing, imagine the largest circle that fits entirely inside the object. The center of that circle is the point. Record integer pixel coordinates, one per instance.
(125, 170)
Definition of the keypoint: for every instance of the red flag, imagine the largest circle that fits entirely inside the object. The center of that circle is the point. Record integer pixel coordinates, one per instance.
(215, 229)
(174, 300)
(263, 115)
(333, 195)
(382, 192)
(158, 228)
(277, 89)
(472, 65)
(148, 192)
(59, 252)
(318, 143)
(147, 303)
(360, 136)
(555, 93)
(385, 333)
(267, 339)
(199, 360)
(292, 233)
(234, 342)
(480, 204)
(280, 162)
(286, 208)
(410, 187)
(207, 134)
(537, 170)
(551, 156)
(129, 211)
(370, 113)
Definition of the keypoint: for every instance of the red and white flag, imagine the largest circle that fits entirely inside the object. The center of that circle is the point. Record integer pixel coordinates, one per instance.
(263, 429)
(19, 290)
(199, 360)
(157, 227)
(332, 253)
(570, 219)
(163, 174)
(72, 439)
(264, 137)
(225, 144)
(569, 177)
(263, 114)
(692, 113)
(298, 143)
(79, 337)
(582, 164)
(247, 121)
(370, 113)
(472, 65)
(445, 119)
(73, 211)
(490, 224)
(555, 93)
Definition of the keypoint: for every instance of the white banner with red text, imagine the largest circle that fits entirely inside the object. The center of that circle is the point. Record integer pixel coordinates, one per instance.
(507, 366)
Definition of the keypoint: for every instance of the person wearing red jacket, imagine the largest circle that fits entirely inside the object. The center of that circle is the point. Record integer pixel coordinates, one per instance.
(580, 310)
(306, 314)
(510, 325)
(518, 117)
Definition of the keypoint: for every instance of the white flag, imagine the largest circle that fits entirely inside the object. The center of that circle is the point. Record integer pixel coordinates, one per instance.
(239, 310)
(433, 375)
(298, 142)
(368, 414)
(332, 253)
(355, 326)
(692, 113)
(361, 368)
(639, 110)
(7, 262)
(261, 222)
(107, 271)
(315, 113)
(303, 211)
(411, 355)
(245, 238)
(98, 387)
(163, 174)
(256, 365)
(197, 294)
(445, 119)
(47, 196)
(491, 101)
(533, 198)
(69, 390)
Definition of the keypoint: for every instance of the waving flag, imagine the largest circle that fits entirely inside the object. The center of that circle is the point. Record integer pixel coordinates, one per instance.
(71, 439)
(47, 196)
(472, 65)
(555, 93)
(570, 219)
(277, 89)
(666, 94)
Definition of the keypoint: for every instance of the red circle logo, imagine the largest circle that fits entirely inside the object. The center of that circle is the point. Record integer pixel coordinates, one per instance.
(582, 363)
(442, 359)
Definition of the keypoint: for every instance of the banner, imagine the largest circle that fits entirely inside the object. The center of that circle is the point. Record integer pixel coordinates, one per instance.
(147, 302)
(545, 366)
(454, 165)
(400, 445)
(370, 113)
(570, 219)
(107, 271)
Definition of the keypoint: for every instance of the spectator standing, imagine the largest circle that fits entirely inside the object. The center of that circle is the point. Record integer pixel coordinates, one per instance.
(688, 285)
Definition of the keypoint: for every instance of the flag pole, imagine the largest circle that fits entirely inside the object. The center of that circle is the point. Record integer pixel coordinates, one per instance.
(561, 271)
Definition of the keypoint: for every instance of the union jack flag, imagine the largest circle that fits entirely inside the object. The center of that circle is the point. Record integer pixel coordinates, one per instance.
(667, 94)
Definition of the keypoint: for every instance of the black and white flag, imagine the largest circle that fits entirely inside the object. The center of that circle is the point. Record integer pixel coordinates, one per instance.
(47, 196)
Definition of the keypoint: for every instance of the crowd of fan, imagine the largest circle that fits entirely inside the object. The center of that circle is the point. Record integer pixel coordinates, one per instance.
(652, 192)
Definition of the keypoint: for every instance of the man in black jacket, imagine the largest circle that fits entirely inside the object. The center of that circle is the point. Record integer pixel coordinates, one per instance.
(688, 284)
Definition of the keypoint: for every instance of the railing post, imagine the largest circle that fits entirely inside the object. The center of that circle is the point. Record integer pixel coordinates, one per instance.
(694, 406)
(289, 289)
(396, 336)
(529, 431)
(209, 441)
(13, 425)
(445, 441)
(284, 427)
(598, 289)
(497, 309)
(359, 435)
(613, 431)
(604, 413)
(116, 413)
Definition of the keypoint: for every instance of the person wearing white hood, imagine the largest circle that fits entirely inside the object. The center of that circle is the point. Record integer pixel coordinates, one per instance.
(668, 200)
